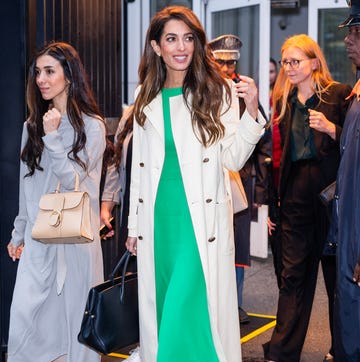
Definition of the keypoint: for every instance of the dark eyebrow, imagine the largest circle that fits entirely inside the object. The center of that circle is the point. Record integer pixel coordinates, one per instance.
(46, 67)
(174, 34)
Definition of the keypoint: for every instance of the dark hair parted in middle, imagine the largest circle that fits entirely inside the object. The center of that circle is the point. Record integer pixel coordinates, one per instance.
(80, 100)
(203, 86)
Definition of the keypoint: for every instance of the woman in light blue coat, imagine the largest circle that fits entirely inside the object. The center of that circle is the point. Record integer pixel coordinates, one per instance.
(63, 135)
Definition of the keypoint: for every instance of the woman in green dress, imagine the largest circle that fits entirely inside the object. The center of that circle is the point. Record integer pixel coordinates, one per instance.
(186, 131)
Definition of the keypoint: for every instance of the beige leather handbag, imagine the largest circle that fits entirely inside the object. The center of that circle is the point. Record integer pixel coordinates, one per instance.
(64, 217)
(239, 200)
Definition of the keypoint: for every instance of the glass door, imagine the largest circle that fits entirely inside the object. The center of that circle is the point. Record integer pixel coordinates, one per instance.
(324, 18)
(250, 21)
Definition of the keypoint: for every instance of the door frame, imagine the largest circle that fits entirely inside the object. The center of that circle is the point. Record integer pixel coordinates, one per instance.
(313, 13)
(264, 36)
(258, 229)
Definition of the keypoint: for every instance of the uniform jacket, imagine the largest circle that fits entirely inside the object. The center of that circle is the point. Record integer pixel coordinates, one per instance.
(209, 204)
(346, 230)
(333, 107)
(256, 164)
(254, 169)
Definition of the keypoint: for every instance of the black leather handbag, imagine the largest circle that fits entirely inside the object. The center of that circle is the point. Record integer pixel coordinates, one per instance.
(111, 318)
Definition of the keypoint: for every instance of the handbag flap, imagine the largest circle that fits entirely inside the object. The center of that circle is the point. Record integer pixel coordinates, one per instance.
(60, 201)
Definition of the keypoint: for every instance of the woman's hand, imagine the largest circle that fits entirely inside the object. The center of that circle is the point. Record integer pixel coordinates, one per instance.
(105, 216)
(130, 244)
(247, 90)
(271, 226)
(51, 120)
(15, 251)
(356, 276)
(318, 121)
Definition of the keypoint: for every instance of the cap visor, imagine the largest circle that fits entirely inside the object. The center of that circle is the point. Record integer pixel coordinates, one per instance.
(350, 21)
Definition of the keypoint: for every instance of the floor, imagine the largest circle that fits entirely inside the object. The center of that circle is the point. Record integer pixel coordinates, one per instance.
(260, 298)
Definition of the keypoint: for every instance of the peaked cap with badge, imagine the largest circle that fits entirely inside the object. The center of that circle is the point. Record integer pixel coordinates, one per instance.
(354, 16)
(226, 47)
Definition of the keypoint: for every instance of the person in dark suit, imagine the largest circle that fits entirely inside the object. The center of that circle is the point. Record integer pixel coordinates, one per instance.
(346, 214)
(311, 109)
(226, 51)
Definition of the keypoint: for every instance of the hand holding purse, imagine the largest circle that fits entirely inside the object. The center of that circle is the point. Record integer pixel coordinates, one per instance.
(111, 318)
(64, 217)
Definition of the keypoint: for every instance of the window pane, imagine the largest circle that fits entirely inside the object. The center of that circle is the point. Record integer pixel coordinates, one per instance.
(244, 23)
(331, 40)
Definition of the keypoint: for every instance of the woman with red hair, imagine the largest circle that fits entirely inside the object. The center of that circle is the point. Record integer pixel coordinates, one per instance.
(310, 108)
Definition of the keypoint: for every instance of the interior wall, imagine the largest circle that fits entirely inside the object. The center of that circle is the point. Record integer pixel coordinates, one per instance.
(12, 110)
(94, 28)
(285, 23)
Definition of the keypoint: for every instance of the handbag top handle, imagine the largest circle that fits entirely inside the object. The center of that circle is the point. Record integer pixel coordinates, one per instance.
(77, 184)
(124, 260)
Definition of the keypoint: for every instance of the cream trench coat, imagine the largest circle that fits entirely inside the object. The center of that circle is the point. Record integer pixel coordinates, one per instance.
(208, 195)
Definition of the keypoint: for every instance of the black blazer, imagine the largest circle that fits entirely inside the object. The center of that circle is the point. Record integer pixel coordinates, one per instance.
(334, 107)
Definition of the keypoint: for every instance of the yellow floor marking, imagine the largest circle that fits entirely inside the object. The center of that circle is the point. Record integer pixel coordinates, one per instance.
(118, 355)
(262, 315)
(259, 330)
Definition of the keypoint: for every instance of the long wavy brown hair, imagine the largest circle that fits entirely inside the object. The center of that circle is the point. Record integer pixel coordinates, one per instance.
(321, 78)
(128, 118)
(80, 100)
(203, 83)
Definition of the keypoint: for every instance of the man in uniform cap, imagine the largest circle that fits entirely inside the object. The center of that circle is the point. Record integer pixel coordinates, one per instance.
(345, 228)
(226, 51)
(354, 16)
(352, 40)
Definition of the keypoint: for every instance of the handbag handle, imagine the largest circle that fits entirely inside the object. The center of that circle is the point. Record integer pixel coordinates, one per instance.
(77, 184)
(123, 260)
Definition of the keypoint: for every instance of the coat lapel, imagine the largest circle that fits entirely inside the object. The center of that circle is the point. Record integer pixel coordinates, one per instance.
(185, 142)
(155, 115)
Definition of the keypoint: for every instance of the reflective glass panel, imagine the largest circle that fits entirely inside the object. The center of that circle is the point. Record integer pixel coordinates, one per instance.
(331, 40)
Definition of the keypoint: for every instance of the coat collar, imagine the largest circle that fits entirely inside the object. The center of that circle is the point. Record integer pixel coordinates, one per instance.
(355, 91)
(155, 115)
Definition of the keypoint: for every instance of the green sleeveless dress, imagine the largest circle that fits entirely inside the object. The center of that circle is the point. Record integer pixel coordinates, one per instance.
(184, 332)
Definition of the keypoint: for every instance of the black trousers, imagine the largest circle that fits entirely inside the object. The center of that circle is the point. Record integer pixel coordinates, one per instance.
(304, 226)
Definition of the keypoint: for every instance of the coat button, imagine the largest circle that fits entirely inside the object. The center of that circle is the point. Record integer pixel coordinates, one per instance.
(140, 237)
(208, 201)
(211, 239)
(206, 159)
(141, 200)
(141, 164)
